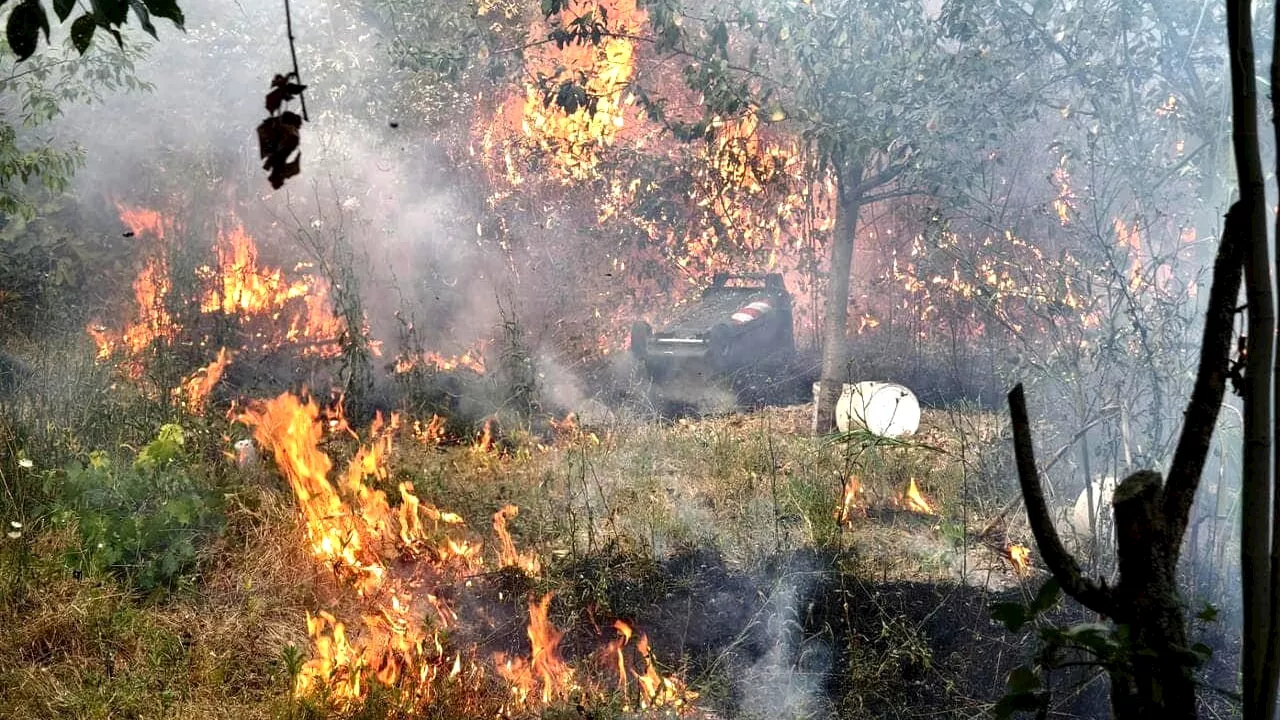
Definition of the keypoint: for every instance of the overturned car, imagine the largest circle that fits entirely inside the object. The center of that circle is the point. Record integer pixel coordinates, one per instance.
(741, 324)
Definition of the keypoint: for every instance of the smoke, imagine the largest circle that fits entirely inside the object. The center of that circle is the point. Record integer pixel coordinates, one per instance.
(787, 681)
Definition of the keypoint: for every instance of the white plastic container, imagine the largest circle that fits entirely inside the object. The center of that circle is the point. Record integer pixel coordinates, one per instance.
(884, 409)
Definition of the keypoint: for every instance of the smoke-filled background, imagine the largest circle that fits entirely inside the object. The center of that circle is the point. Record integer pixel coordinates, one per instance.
(1040, 204)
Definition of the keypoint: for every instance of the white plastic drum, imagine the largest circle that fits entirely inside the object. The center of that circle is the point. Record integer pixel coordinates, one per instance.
(885, 409)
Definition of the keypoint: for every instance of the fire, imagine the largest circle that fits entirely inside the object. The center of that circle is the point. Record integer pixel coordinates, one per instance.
(508, 556)
(484, 441)
(193, 392)
(472, 359)
(401, 563)
(573, 136)
(269, 309)
(915, 501)
(1021, 557)
(430, 433)
(654, 689)
(850, 502)
(353, 530)
(544, 667)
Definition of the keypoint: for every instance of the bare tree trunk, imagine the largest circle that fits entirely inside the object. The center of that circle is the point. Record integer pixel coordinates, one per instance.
(1255, 540)
(1271, 661)
(835, 341)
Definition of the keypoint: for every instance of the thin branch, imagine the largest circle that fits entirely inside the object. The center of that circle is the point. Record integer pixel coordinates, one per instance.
(1094, 595)
(288, 27)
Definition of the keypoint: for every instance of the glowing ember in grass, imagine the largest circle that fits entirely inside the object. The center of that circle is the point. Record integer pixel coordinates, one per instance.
(1021, 557)
(915, 501)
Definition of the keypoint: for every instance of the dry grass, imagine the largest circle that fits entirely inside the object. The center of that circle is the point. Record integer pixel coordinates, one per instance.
(608, 508)
(82, 648)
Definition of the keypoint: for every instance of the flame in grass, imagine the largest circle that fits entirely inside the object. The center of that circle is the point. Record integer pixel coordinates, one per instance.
(471, 359)
(915, 501)
(1020, 555)
(508, 556)
(544, 675)
(402, 563)
(653, 689)
(851, 503)
(192, 393)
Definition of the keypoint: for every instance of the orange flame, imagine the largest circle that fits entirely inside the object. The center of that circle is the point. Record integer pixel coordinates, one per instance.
(915, 501)
(544, 667)
(850, 502)
(654, 688)
(1021, 557)
(508, 556)
(238, 287)
(193, 392)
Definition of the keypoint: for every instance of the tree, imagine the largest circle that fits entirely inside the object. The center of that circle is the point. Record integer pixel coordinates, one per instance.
(1151, 670)
(29, 19)
(880, 93)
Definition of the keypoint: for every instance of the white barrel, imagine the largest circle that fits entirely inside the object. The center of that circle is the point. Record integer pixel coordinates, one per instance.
(884, 409)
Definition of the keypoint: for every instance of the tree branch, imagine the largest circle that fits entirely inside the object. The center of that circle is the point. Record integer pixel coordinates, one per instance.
(1211, 377)
(1093, 595)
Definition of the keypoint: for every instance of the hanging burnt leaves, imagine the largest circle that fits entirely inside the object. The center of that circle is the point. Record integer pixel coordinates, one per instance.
(280, 134)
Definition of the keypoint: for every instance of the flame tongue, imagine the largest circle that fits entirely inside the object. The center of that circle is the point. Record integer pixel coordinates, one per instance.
(915, 501)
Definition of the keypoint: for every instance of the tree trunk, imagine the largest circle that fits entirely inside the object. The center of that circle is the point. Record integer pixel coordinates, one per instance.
(835, 342)
(1271, 660)
(1256, 506)
(1154, 680)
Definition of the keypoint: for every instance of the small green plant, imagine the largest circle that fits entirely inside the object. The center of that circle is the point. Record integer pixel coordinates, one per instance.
(1101, 645)
(145, 521)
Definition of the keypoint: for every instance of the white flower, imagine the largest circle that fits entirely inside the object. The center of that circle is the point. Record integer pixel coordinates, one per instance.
(26, 463)
(15, 524)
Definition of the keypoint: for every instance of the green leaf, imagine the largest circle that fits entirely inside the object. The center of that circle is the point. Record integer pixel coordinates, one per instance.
(1017, 702)
(110, 13)
(144, 18)
(23, 29)
(1203, 652)
(63, 8)
(1012, 615)
(1023, 680)
(82, 32)
(167, 9)
(1208, 614)
(1047, 597)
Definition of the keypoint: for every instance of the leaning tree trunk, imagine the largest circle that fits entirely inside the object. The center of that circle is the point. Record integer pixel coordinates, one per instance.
(835, 340)
(1152, 679)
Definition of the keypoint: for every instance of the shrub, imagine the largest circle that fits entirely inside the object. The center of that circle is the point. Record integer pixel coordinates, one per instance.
(144, 522)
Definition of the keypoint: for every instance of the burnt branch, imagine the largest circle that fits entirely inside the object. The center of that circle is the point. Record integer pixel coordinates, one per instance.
(1095, 595)
(1211, 377)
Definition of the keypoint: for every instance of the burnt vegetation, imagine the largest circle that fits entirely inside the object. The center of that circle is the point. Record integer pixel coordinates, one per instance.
(635, 359)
